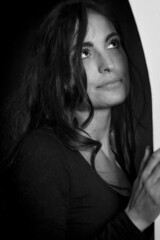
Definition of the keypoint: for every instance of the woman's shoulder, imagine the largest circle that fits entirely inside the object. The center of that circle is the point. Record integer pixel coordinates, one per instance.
(42, 137)
(40, 148)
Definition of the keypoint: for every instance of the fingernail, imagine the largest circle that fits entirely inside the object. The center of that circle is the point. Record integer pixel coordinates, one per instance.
(148, 147)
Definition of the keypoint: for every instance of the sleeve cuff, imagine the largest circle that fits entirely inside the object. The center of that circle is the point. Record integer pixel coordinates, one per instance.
(147, 234)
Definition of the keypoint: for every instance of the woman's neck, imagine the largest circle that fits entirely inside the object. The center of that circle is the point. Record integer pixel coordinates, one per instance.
(99, 127)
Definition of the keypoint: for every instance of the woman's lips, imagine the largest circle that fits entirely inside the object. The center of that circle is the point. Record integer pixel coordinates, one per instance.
(110, 84)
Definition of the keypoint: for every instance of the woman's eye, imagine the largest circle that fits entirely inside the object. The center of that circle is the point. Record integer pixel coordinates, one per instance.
(114, 43)
(85, 53)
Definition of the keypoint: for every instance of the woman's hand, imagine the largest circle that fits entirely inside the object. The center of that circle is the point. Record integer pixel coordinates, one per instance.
(144, 205)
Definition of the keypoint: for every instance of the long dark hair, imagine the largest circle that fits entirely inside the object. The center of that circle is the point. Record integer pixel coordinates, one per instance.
(55, 83)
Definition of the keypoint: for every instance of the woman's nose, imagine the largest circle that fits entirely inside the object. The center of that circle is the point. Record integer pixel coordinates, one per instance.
(105, 62)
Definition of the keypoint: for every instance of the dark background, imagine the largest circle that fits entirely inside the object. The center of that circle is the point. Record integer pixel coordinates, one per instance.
(18, 18)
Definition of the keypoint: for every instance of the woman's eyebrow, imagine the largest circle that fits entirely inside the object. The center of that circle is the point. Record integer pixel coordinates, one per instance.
(109, 36)
(87, 44)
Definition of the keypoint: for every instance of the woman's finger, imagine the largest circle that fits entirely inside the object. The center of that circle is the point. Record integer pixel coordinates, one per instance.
(155, 174)
(145, 159)
(151, 164)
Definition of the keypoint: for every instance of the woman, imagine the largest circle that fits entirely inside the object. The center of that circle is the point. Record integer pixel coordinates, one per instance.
(70, 160)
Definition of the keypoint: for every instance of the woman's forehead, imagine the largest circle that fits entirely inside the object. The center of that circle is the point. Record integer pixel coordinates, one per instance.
(98, 25)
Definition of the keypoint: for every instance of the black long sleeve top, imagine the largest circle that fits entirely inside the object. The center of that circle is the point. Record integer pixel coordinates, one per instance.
(53, 193)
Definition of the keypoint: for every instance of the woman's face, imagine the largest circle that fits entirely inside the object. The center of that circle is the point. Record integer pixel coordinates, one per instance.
(105, 63)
